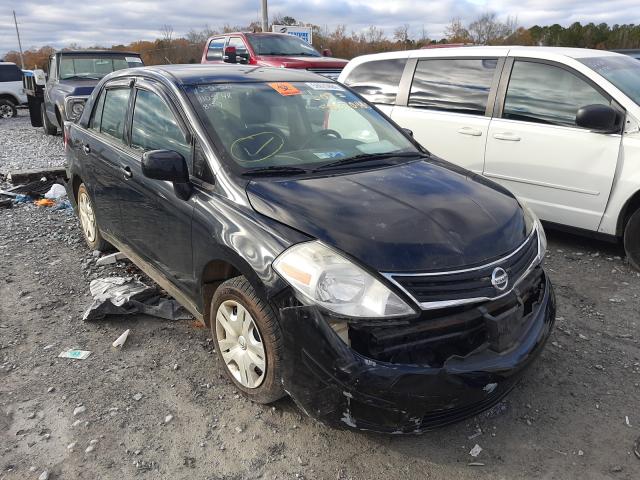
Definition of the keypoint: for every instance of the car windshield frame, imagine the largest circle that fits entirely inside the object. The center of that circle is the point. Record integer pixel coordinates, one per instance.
(622, 71)
(381, 139)
(268, 45)
(80, 75)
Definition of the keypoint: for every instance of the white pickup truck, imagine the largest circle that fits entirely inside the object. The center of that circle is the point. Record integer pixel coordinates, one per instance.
(11, 92)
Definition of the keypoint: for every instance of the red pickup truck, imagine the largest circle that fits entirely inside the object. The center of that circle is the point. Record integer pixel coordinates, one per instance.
(271, 50)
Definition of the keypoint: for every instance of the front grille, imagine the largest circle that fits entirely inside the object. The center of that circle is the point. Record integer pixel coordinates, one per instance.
(332, 73)
(440, 334)
(471, 284)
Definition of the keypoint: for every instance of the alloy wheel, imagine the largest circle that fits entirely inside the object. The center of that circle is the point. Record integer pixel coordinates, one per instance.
(240, 344)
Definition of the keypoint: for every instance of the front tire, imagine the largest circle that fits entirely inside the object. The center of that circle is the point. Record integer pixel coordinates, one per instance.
(632, 240)
(248, 340)
(7, 108)
(48, 127)
(88, 221)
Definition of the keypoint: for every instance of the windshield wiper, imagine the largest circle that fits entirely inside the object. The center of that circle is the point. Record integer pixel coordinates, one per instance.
(275, 170)
(368, 157)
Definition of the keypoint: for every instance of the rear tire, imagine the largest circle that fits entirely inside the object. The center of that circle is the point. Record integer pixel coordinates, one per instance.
(89, 222)
(248, 340)
(7, 108)
(48, 127)
(632, 240)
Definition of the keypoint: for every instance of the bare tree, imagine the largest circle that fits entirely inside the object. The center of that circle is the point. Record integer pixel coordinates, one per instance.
(488, 30)
(456, 32)
(401, 33)
(374, 34)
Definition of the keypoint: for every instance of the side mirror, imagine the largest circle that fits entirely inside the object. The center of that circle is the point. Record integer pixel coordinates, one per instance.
(408, 131)
(165, 165)
(230, 55)
(599, 118)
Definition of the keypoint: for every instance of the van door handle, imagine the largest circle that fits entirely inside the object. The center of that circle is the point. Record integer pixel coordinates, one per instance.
(474, 132)
(127, 172)
(509, 137)
(86, 148)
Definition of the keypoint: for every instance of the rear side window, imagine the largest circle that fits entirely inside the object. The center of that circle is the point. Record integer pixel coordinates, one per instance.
(548, 94)
(453, 85)
(155, 127)
(377, 81)
(10, 73)
(214, 52)
(96, 116)
(114, 112)
(241, 48)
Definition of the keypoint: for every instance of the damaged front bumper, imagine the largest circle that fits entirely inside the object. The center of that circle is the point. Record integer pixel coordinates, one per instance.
(335, 384)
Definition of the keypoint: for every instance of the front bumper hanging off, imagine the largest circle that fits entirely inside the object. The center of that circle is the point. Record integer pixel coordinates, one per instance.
(336, 385)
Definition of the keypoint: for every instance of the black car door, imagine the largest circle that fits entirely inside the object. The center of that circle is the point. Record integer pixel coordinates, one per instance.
(100, 149)
(156, 223)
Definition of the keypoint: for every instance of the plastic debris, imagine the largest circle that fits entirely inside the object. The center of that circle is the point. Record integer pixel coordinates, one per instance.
(45, 202)
(126, 296)
(110, 259)
(23, 199)
(475, 451)
(63, 205)
(75, 354)
(121, 339)
(55, 192)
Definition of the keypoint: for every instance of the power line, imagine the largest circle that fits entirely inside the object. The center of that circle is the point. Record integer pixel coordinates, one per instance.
(19, 42)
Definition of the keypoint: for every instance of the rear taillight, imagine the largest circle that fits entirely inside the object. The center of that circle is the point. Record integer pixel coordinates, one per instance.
(65, 136)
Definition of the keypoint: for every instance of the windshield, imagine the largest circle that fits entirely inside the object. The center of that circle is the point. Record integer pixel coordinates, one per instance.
(288, 125)
(83, 66)
(284, 45)
(621, 70)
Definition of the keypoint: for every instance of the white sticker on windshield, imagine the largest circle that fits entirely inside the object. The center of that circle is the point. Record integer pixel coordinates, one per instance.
(133, 59)
(324, 86)
(329, 155)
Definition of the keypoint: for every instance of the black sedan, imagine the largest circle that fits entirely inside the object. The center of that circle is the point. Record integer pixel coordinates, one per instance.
(334, 258)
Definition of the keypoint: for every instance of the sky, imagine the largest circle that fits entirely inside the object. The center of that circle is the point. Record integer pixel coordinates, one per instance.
(99, 22)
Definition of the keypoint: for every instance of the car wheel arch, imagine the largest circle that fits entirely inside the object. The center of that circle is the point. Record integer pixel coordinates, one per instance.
(629, 208)
(9, 97)
(218, 270)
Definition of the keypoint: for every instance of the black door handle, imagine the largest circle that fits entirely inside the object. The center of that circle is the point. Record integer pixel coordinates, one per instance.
(127, 172)
(86, 148)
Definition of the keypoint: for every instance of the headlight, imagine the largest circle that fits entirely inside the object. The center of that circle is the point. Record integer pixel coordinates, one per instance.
(74, 106)
(330, 280)
(533, 221)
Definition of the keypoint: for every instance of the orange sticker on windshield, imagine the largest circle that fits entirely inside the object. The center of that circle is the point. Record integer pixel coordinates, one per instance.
(284, 88)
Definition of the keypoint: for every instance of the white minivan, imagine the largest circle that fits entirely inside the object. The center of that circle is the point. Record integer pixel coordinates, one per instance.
(559, 127)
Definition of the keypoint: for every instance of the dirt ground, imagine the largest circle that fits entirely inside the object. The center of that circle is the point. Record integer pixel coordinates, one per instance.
(576, 414)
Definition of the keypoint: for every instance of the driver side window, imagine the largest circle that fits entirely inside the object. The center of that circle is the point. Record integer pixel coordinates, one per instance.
(155, 127)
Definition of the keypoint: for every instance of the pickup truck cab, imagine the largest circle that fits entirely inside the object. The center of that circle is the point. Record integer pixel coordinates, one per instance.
(11, 91)
(72, 76)
(270, 50)
(559, 127)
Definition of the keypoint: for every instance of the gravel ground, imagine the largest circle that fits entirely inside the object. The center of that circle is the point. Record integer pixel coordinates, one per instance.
(160, 408)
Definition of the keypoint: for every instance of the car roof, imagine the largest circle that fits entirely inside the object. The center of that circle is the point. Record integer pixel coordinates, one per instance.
(97, 52)
(194, 74)
(474, 50)
(253, 34)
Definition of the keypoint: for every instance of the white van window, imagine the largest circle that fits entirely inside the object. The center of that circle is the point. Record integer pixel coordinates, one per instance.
(543, 93)
(453, 85)
(377, 81)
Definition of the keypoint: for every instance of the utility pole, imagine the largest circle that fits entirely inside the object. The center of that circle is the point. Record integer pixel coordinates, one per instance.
(19, 42)
(265, 17)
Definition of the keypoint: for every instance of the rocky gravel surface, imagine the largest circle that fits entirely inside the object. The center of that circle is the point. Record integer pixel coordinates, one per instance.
(160, 407)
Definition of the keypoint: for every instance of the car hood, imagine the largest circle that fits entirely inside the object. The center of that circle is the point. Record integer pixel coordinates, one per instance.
(301, 62)
(77, 87)
(415, 217)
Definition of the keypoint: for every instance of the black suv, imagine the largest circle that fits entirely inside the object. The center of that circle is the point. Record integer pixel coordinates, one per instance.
(333, 258)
